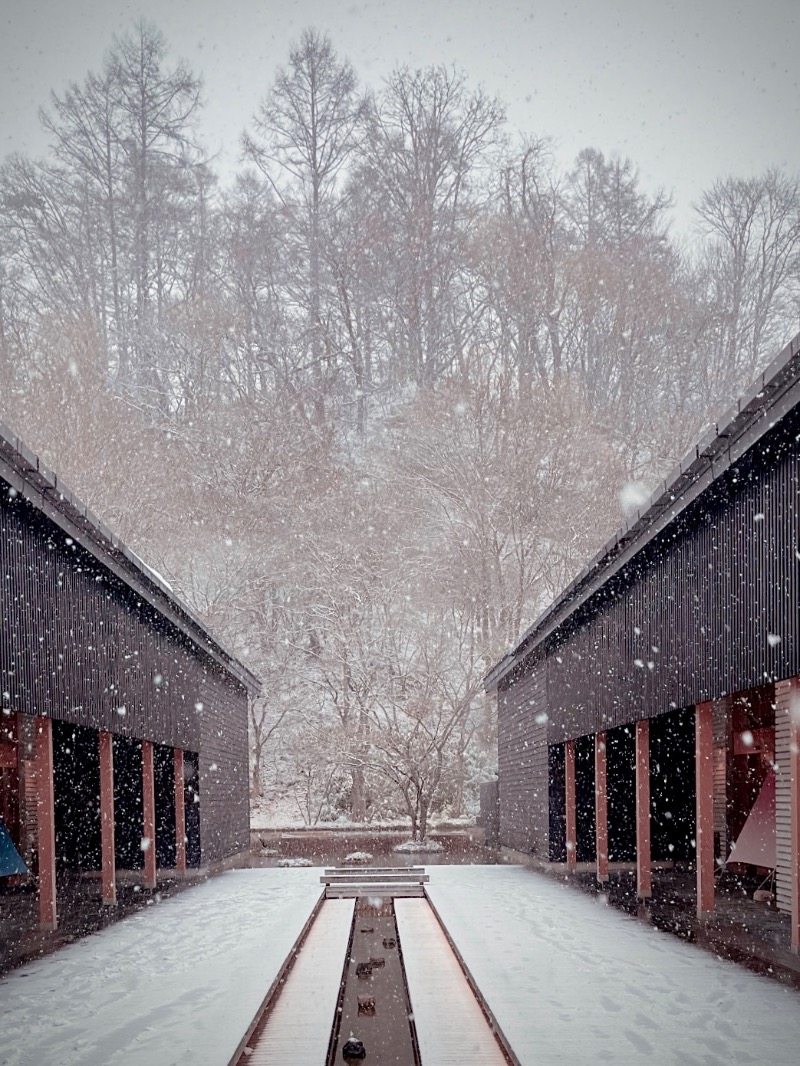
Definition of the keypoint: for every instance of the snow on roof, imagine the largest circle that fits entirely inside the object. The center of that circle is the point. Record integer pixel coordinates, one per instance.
(42, 488)
(770, 398)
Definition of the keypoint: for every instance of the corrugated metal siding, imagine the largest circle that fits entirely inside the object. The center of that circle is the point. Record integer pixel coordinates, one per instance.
(522, 763)
(688, 619)
(783, 840)
(77, 644)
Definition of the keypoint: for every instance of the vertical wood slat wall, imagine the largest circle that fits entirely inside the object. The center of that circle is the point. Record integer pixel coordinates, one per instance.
(522, 765)
(79, 645)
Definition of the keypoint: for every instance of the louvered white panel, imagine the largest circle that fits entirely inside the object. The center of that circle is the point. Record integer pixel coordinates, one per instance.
(782, 795)
(451, 1027)
(720, 714)
(298, 1029)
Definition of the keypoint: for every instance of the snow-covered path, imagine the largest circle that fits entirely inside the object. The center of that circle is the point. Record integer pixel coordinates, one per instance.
(571, 981)
(177, 983)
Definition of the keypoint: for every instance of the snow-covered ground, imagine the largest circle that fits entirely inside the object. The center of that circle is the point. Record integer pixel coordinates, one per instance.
(571, 981)
(177, 983)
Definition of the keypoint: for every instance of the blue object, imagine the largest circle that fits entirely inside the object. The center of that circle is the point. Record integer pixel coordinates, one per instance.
(10, 859)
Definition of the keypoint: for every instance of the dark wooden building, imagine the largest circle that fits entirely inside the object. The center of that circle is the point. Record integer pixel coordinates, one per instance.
(643, 713)
(123, 726)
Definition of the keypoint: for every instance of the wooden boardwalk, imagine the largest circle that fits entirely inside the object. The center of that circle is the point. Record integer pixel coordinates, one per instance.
(298, 1027)
(452, 1030)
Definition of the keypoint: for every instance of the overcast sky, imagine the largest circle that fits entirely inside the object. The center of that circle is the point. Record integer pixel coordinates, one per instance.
(690, 90)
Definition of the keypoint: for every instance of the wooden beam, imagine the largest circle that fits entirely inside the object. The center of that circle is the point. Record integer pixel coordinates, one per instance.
(794, 802)
(644, 874)
(601, 806)
(571, 811)
(704, 791)
(46, 823)
(149, 813)
(180, 812)
(108, 861)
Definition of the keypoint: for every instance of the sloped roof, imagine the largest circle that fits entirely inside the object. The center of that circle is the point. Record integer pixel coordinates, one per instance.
(42, 488)
(772, 396)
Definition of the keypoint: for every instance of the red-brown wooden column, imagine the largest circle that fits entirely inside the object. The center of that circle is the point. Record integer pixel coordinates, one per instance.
(180, 813)
(601, 806)
(149, 812)
(108, 861)
(570, 793)
(46, 823)
(704, 789)
(794, 800)
(644, 875)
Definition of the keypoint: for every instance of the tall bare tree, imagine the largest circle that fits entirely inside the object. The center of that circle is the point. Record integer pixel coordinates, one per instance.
(750, 271)
(305, 132)
(430, 142)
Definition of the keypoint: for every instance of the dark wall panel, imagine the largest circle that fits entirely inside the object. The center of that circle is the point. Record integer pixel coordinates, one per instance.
(672, 786)
(76, 788)
(585, 821)
(128, 804)
(522, 764)
(621, 772)
(164, 773)
(223, 769)
(78, 645)
(557, 803)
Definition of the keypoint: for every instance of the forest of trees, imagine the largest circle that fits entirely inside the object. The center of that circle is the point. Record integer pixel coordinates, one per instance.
(372, 401)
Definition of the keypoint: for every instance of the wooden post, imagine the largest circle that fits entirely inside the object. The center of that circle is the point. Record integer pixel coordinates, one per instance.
(149, 813)
(108, 862)
(644, 875)
(704, 790)
(180, 813)
(601, 806)
(794, 818)
(46, 823)
(572, 820)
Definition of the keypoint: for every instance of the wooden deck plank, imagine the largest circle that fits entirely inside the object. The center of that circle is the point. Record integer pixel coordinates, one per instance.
(452, 1030)
(408, 870)
(384, 879)
(299, 1026)
(377, 890)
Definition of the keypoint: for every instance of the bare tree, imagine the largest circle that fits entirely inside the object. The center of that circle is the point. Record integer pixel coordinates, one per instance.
(750, 270)
(429, 138)
(304, 135)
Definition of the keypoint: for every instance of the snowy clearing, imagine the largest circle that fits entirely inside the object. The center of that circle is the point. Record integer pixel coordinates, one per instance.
(177, 983)
(572, 981)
